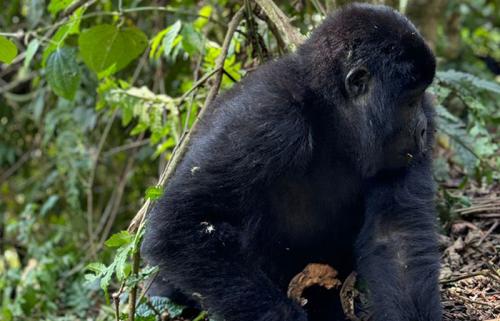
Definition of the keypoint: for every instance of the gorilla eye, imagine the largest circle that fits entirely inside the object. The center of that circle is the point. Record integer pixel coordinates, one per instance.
(356, 81)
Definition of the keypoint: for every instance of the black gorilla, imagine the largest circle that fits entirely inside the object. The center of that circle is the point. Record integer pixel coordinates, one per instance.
(323, 156)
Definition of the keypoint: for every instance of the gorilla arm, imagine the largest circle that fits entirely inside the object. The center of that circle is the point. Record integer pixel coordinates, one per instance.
(200, 233)
(397, 248)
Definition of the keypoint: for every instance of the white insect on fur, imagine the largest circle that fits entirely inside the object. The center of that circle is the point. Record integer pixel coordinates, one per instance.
(207, 227)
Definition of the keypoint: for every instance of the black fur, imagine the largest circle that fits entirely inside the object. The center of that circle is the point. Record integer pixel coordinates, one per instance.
(290, 167)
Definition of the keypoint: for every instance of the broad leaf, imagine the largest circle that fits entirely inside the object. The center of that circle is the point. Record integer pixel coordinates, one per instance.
(58, 5)
(63, 74)
(109, 48)
(119, 239)
(156, 49)
(96, 267)
(204, 14)
(168, 41)
(192, 40)
(70, 28)
(8, 50)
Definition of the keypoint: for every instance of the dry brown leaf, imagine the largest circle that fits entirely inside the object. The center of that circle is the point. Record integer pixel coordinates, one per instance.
(313, 274)
(348, 294)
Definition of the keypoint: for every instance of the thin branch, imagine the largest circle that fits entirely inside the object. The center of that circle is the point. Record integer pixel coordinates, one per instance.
(253, 30)
(74, 6)
(120, 189)
(133, 291)
(291, 35)
(463, 277)
(90, 186)
(5, 175)
(228, 75)
(219, 62)
(125, 147)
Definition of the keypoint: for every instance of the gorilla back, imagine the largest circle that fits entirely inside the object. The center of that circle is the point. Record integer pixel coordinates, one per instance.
(323, 156)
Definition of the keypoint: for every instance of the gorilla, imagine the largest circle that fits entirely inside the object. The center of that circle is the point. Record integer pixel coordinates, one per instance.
(322, 156)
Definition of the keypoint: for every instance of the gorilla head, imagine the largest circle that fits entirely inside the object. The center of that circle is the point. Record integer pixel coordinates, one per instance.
(371, 65)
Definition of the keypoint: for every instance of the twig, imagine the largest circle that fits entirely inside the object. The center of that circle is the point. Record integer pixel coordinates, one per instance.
(494, 271)
(5, 175)
(490, 230)
(319, 7)
(124, 147)
(274, 30)
(253, 32)
(466, 276)
(494, 306)
(16, 82)
(116, 300)
(219, 62)
(74, 6)
(150, 282)
(120, 189)
(90, 193)
(291, 35)
(133, 292)
(477, 209)
(228, 75)
(488, 215)
(197, 84)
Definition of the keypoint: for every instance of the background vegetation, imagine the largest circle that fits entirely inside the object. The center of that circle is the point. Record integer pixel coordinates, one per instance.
(96, 95)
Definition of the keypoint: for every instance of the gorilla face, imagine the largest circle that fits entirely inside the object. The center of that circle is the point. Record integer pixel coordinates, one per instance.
(372, 71)
(407, 140)
(391, 123)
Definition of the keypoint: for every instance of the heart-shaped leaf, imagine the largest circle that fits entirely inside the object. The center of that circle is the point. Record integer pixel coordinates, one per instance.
(109, 48)
(63, 74)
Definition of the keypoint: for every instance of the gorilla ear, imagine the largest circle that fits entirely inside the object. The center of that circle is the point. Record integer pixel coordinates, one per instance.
(356, 81)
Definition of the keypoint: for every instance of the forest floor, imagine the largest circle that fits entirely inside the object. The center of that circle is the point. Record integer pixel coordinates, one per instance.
(470, 276)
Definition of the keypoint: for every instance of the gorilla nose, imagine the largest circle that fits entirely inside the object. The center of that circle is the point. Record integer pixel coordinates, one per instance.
(421, 134)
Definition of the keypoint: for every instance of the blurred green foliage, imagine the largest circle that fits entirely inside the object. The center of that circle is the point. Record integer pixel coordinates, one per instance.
(95, 95)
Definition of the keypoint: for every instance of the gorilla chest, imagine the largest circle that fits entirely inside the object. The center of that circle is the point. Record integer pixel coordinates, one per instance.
(318, 215)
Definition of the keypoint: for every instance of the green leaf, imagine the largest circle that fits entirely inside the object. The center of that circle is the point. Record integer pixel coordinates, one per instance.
(108, 48)
(154, 192)
(192, 40)
(156, 50)
(30, 52)
(57, 5)
(161, 305)
(49, 204)
(70, 28)
(170, 36)
(204, 13)
(8, 50)
(106, 280)
(119, 239)
(63, 74)
(96, 267)
(453, 76)
(122, 268)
